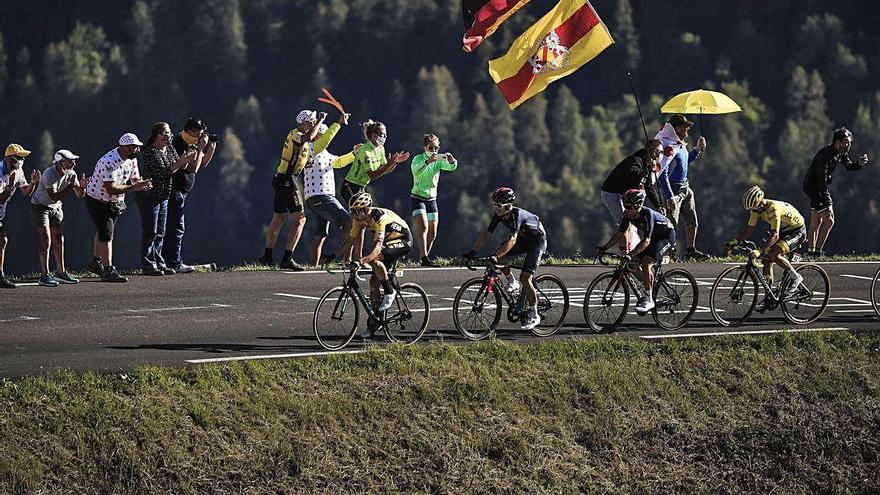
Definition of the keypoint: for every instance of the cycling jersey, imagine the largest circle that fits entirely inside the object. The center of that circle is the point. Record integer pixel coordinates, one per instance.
(779, 214)
(368, 159)
(296, 153)
(519, 221)
(650, 225)
(427, 175)
(386, 224)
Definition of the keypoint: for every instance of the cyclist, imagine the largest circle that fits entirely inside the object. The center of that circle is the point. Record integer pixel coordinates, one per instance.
(527, 236)
(787, 232)
(393, 241)
(657, 238)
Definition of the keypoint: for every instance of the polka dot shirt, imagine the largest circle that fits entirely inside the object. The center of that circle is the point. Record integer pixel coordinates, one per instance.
(112, 168)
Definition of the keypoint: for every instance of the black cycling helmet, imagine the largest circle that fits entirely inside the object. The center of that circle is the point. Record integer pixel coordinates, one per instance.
(634, 197)
(503, 196)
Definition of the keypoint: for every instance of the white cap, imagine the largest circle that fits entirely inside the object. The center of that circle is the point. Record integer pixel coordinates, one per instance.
(130, 138)
(64, 155)
(322, 128)
(306, 116)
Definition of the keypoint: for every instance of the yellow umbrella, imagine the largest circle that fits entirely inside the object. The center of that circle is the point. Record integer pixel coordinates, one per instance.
(701, 102)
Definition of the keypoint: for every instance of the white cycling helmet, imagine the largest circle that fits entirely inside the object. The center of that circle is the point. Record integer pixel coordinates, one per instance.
(360, 200)
(753, 198)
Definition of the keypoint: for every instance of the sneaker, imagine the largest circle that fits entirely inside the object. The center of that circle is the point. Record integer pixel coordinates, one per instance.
(5, 283)
(794, 287)
(427, 262)
(291, 265)
(95, 267)
(531, 321)
(152, 271)
(112, 275)
(48, 281)
(66, 278)
(387, 300)
(265, 260)
(513, 285)
(168, 271)
(645, 305)
(695, 255)
(184, 268)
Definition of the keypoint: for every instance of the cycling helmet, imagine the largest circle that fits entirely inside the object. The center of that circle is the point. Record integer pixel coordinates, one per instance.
(634, 197)
(503, 195)
(360, 200)
(752, 198)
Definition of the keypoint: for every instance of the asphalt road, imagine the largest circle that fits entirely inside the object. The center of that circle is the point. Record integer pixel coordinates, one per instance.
(186, 319)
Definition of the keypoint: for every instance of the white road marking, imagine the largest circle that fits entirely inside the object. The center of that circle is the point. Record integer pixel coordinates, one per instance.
(298, 296)
(742, 332)
(868, 310)
(338, 272)
(273, 356)
(20, 318)
(180, 308)
(857, 276)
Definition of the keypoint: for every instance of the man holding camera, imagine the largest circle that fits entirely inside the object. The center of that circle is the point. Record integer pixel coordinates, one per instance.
(193, 137)
(11, 178)
(115, 174)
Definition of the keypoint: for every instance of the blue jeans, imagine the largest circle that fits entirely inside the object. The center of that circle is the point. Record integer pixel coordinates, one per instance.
(153, 216)
(176, 228)
(326, 209)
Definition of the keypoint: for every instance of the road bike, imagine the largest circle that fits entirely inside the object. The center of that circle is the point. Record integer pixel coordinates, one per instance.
(875, 293)
(734, 294)
(476, 310)
(335, 322)
(607, 299)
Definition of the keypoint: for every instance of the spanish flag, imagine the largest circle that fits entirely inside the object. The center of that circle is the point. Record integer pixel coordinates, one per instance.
(561, 42)
(482, 18)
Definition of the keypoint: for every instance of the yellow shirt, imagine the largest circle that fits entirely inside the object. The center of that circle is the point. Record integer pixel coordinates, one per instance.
(387, 225)
(301, 153)
(779, 214)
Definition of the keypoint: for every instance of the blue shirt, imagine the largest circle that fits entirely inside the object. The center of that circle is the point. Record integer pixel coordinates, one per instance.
(677, 171)
(649, 223)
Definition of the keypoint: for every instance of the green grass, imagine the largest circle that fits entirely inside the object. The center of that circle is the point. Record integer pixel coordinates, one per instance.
(778, 414)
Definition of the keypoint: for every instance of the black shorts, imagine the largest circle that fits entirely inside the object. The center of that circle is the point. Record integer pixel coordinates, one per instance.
(426, 205)
(288, 198)
(349, 189)
(104, 215)
(791, 239)
(659, 247)
(819, 202)
(396, 249)
(533, 248)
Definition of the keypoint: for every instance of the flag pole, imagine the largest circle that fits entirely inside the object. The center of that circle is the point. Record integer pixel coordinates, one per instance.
(632, 87)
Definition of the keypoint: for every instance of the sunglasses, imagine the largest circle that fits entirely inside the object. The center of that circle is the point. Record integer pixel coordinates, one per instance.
(433, 148)
(359, 212)
(500, 205)
(632, 207)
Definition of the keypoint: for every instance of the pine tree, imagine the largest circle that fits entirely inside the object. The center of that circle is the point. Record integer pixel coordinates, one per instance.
(532, 132)
(626, 35)
(46, 150)
(567, 127)
(806, 130)
(437, 104)
(78, 67)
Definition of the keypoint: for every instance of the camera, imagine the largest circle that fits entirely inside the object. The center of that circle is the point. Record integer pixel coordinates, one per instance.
(213, 138)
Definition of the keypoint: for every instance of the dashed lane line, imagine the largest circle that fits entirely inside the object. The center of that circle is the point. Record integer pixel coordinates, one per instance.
(178, 308)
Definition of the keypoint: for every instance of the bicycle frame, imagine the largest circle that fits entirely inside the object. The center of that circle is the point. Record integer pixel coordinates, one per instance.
(774, 298)
(491, 277)
(623, 273)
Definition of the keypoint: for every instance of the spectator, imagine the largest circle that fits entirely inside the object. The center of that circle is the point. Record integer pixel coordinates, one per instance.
(116, 173)
(320, 187)
(47, 214)
(160, 161)
(12, 178)
(673, 178)
(426, 169)
(194, 137)
(634, 172)
(370, 163)
(816, 187)
(300, 147)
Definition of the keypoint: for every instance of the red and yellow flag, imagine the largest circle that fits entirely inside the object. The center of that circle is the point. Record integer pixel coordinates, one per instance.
(561, 42)
(482, 18)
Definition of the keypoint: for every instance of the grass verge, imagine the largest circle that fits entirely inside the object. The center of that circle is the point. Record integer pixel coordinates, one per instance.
(778, 414)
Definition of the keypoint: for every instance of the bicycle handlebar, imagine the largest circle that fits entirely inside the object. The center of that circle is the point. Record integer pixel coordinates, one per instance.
(469, 262)
(605, 257)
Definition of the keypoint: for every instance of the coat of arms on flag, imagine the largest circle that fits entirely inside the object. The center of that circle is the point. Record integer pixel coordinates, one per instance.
(552, 55)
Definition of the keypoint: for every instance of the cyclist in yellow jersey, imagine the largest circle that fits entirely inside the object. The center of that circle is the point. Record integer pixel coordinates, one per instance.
(393, 241)
(787, 232)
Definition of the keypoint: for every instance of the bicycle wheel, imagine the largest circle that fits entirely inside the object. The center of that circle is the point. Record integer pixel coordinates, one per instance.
(476, 310)
(552, 304)
(812, 297)
(875, 293)
(734, 296)
(407, 319)
(606, 302)
(675, 297)
(336, 318)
